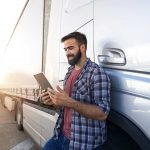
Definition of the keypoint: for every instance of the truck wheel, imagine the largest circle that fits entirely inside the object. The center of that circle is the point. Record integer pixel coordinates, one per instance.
(19, 116)
(119, 140)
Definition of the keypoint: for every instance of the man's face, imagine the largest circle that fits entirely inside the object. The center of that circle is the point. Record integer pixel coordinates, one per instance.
(73, 51)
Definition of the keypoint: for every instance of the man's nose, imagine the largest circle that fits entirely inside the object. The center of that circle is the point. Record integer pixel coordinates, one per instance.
(67, 52)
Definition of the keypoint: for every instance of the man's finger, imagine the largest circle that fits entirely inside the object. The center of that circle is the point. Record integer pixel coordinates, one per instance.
(45, 97)
(44, 94)
(48, 102)
(52, 92)
(59, 89)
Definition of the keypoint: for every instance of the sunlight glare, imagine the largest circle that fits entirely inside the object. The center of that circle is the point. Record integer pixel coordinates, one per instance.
(9, 14)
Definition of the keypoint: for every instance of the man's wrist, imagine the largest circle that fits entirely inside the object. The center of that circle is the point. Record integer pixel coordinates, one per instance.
(73, 104)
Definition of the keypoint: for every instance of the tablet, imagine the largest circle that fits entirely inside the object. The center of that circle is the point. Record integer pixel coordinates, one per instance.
(42, 81)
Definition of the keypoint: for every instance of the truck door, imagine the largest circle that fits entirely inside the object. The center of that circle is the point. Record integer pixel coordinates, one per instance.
(121, 44)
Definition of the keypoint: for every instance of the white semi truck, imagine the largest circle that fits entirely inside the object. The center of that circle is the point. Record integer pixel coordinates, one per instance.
(118, 39)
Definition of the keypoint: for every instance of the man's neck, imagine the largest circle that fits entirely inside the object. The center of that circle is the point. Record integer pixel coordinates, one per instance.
(80, 64)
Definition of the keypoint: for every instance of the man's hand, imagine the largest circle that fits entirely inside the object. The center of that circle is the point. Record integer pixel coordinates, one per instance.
(46, 98)
(59, 97)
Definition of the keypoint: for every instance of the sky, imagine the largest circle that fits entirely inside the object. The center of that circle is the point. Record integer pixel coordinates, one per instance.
(9, 13)
(16, 56)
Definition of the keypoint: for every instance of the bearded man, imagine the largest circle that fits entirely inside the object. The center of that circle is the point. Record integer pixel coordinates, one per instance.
(84, 102)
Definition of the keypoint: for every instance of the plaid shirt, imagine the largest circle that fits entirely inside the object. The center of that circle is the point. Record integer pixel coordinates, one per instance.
(92, 87)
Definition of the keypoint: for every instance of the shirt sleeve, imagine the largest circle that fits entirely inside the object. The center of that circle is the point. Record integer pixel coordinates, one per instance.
(100, 89)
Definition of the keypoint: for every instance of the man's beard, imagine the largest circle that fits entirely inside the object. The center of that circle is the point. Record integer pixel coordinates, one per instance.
(75, 59)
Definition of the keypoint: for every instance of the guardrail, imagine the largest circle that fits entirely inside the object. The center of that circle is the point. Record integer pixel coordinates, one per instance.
(29, 93)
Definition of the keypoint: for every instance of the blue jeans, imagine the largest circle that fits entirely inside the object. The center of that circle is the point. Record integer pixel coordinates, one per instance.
(62, 143)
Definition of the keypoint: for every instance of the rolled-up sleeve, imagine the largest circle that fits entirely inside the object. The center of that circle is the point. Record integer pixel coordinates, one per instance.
(100, 89)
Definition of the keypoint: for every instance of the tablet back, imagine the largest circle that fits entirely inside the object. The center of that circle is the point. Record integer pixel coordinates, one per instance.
(42, 81)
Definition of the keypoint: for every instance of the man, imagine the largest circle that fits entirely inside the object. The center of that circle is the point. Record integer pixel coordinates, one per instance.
(84, 103)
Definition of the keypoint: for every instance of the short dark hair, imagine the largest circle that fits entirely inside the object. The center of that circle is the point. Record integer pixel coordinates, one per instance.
(80, 37)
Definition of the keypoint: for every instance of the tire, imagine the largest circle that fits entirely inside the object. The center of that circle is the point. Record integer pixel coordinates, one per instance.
(119, 140)
(19, 116)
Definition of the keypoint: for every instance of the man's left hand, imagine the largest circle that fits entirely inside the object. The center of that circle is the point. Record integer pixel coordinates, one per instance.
(59, 97)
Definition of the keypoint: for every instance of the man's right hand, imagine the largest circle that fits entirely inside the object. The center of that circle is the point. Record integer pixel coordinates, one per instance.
(46, 98)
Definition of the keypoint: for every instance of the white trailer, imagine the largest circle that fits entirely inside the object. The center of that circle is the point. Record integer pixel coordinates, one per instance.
(118, 39)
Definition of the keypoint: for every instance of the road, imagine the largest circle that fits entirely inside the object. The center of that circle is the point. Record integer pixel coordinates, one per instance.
(10, 137)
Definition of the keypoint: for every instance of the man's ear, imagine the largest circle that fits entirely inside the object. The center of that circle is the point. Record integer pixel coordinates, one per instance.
(82, 47)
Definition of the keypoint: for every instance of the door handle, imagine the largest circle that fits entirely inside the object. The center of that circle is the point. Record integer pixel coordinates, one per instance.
(112, 56)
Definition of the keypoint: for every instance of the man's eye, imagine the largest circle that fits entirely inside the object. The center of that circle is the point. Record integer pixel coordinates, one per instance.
(71, 47)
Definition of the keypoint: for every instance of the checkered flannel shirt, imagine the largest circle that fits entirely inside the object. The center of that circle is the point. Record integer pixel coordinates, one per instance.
(92, 86)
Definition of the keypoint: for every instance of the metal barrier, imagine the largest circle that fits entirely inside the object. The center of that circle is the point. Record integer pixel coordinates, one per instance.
(30, 93)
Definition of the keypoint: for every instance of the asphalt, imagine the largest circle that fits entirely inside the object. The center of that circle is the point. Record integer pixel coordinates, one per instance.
(10, 137)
